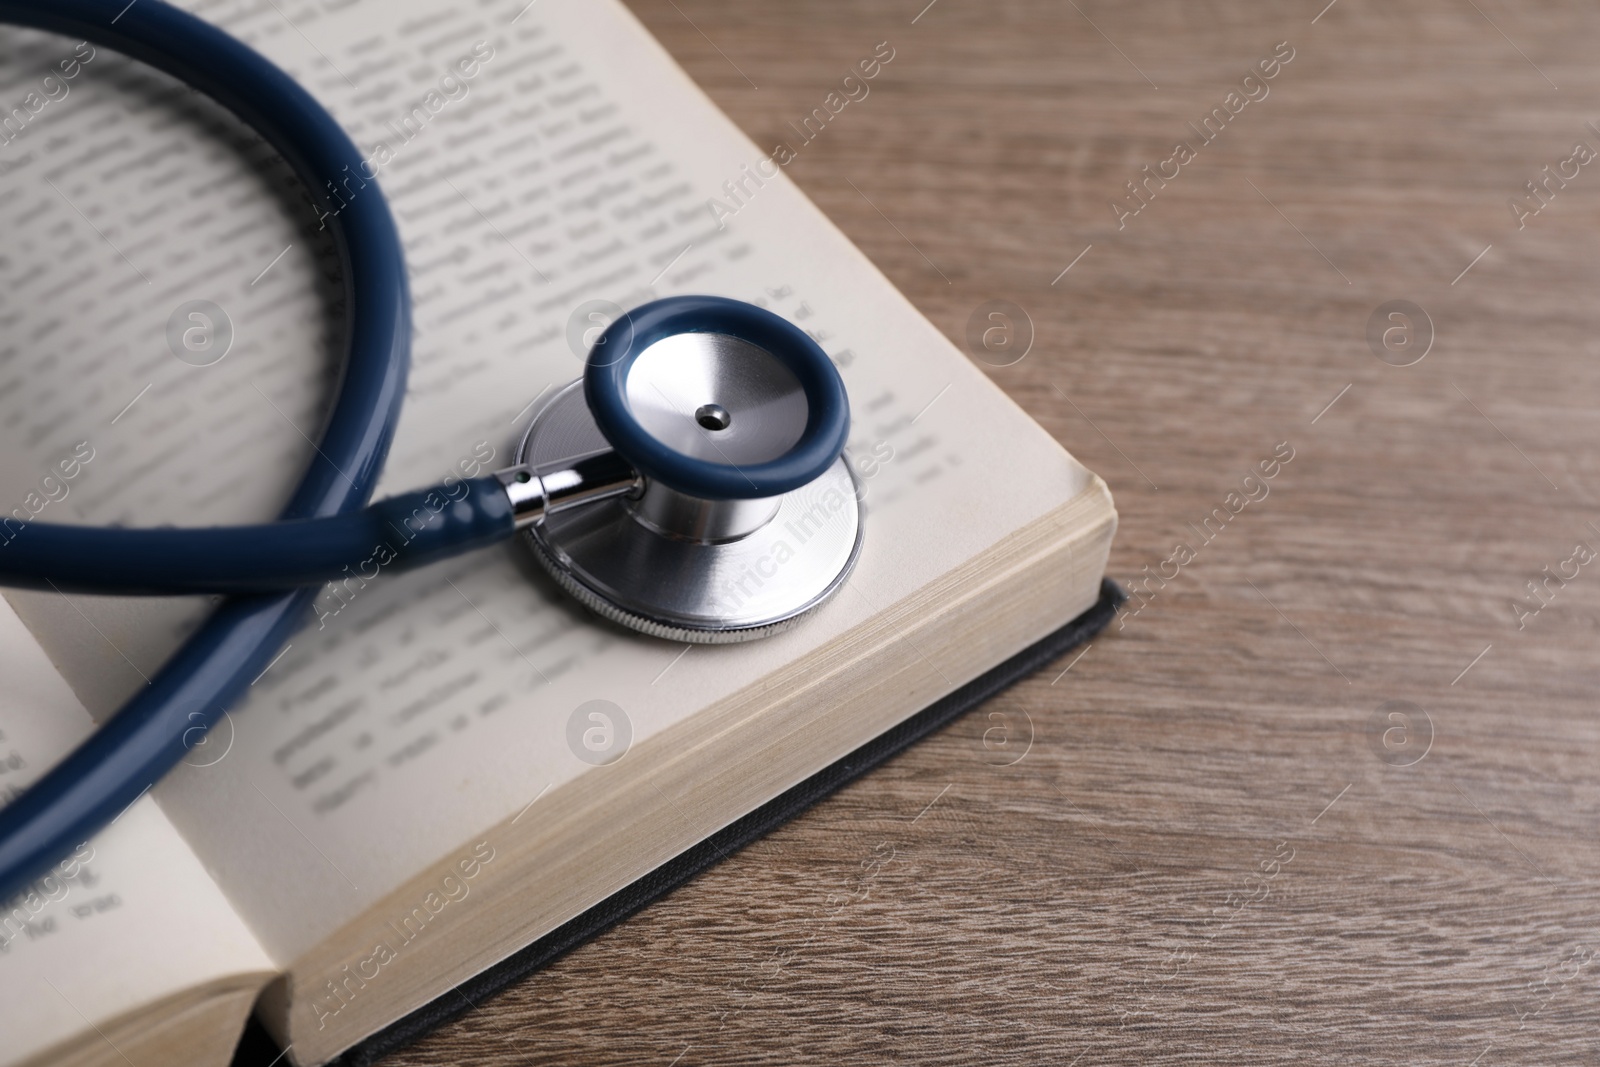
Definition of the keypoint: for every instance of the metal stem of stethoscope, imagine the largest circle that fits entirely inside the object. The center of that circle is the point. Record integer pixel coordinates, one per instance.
(693, 487)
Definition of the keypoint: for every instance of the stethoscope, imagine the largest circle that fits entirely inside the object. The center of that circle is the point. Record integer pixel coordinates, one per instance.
(691, 485)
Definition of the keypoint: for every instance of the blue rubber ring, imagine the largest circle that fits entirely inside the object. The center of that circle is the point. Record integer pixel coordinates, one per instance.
(605, 379)
(155, 728)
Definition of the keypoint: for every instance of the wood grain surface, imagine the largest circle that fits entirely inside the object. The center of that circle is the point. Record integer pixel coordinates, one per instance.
(1209, 840)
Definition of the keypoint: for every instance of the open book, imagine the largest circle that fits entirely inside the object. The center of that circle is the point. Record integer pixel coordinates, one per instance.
(443, 766)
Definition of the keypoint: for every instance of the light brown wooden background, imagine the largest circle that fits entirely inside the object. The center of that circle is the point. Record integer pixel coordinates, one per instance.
(1082, 906)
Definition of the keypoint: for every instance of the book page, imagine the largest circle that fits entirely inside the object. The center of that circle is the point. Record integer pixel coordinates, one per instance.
(543, 160)
(129, 919)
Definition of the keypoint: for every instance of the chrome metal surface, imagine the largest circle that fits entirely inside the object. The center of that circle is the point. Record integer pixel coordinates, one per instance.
(526, 493)
(717, 398)
(698, 591)
(580, 481)
(689, 518)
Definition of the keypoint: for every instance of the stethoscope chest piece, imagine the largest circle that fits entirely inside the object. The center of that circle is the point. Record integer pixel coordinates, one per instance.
(744, 516)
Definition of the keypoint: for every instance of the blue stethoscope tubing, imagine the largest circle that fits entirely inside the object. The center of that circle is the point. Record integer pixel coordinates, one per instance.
(147, 736)
(272, 572)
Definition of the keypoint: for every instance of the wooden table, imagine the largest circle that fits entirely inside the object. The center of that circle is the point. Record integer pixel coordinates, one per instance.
(1221, 845)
